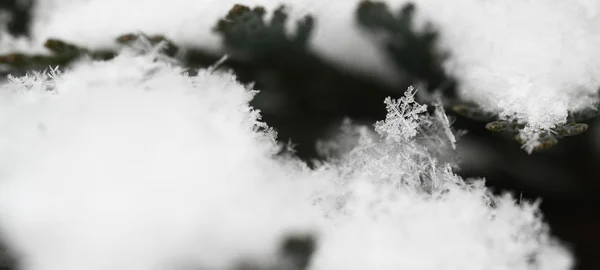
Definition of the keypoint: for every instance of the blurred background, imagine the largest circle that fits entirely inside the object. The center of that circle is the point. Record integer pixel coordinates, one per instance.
(305, 98)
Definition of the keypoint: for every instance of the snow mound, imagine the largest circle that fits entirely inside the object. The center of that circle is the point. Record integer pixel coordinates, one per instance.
(133, 164)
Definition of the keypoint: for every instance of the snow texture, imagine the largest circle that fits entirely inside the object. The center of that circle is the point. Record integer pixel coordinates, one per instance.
(130, 164)
(530, 60)
(10, 44)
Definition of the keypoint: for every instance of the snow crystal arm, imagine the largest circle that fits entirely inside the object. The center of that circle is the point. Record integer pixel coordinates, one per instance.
(440, 114)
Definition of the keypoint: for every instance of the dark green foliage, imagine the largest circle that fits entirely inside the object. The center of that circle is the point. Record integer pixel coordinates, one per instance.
(60, 47)
(504, 125)
(19, 63)
(571, 129)
(61, 54)
(473, 112)
(247, 36)
(8, 260)
(412, 51)
(295, 253)
(20, 16)
(311, 93)
(298, 250)
(16, 60)
(303, 30)
(585, 114)
(548, 138)
(499, 125)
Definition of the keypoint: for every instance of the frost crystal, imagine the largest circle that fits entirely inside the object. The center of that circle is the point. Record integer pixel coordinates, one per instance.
(396, 204)
(402, 119)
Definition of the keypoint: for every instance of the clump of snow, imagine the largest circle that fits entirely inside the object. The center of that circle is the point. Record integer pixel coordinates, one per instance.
(382, 227)
(133, 164)
(530, 60)
(397, 206)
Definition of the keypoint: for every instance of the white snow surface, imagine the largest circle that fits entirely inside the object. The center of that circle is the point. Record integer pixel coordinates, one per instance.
(130, 164)
(532, 60)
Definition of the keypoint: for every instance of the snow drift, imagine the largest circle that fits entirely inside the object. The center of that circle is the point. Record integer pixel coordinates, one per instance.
(134, 164)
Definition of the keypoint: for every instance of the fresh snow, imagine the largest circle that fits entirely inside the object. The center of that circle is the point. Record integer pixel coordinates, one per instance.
(133, 164)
